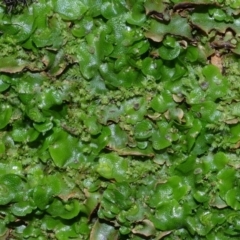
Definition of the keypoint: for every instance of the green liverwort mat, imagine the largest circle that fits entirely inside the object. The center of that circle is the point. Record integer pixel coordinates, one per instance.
(119, 119)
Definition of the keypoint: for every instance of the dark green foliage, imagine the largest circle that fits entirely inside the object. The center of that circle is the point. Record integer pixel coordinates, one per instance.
(120, 120)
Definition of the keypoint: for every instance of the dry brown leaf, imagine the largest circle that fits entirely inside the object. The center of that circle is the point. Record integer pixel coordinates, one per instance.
(216, 60)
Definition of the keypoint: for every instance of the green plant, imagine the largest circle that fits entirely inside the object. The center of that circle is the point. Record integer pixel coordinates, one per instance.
(120, 120)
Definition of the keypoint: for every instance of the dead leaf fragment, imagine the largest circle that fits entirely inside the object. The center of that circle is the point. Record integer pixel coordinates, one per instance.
(216, 60)
(177, 98)
(145, 228)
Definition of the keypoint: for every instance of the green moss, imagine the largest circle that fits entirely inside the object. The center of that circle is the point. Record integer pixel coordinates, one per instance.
(117, 121)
